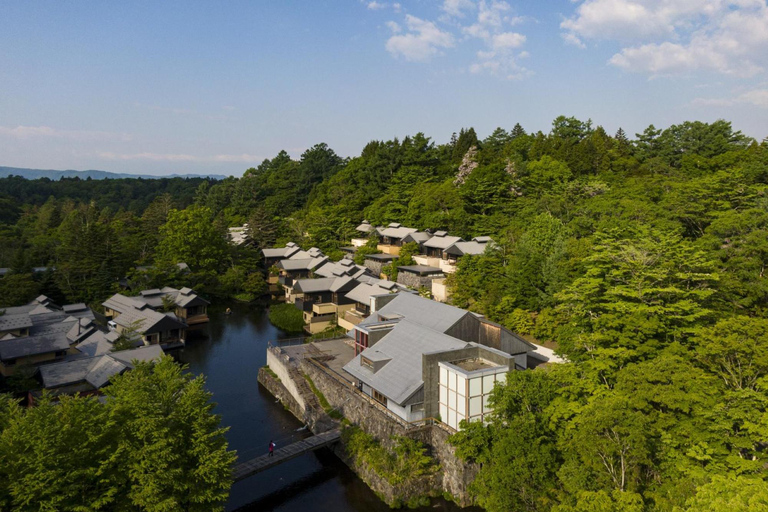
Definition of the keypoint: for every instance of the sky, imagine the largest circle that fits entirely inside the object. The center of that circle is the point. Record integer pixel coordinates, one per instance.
(217, 87)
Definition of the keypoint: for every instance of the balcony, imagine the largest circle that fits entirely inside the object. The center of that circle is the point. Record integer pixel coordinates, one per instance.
(354, 317)
(327, 308)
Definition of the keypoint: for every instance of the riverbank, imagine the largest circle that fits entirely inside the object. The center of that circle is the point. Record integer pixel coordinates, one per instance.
(229, 351)
(428, 449)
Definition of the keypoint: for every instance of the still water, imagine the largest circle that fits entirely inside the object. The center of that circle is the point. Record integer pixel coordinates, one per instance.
(229, 351)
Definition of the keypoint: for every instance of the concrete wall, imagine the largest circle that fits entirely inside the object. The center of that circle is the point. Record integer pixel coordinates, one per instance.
(279, 365)
(454, 476)
(440, 290)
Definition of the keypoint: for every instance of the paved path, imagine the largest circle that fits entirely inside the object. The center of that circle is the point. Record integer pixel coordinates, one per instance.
(253, 466)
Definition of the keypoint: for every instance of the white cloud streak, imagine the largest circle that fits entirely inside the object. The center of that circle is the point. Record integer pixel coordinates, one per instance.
(422, 40)
(677, 36)
(31, 132)
(178, 157)
(755, 98)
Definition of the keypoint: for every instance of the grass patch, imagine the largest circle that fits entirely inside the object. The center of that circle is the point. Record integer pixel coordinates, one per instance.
(333, 413)
(331, 332)
(408, 461)
(273, 374)
(287, 317)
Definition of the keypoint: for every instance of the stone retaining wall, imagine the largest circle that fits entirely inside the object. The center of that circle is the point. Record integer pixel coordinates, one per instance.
(454, 476)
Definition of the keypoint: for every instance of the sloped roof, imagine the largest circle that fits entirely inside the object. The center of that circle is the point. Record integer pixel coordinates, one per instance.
(395, 230)
(417, 236)
(96, 344)
(322, 284)
(441, 242)
(302, 264)
(401, 377)
(365, 227)
(279, 252)
(96, 371)
(120, 303)
(10, 322)
(148, 321)
(462, 248)
(33, 345)
(363, 292)
(429, 313)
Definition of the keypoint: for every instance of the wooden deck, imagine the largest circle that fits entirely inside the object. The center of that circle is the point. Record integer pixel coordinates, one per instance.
(264, 462)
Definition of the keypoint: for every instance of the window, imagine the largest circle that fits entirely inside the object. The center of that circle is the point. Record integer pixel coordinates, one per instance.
(366, 362)
(361, 341)
(379, 397)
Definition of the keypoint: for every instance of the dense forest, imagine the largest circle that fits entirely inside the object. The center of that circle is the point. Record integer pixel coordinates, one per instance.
(643, 258)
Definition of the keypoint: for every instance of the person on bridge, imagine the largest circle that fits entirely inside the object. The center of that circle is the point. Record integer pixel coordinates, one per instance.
(272, 449)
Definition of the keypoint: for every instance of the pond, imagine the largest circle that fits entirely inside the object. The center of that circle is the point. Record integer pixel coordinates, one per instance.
(229, 351)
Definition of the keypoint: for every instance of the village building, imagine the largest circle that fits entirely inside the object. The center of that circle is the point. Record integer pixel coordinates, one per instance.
(364, 231)
(134, 317)
(399, 349)
(41, 332)
(418, 276)
(376, 262)
(391, 238)
(363, 296)
(87, 375)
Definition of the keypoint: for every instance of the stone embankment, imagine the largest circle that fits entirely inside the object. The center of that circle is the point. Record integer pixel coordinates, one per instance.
(291, 388)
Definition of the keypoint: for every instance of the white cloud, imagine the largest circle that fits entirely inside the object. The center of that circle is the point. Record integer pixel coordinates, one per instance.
(456, 7)
(489, 23)
(677, 36)
(376, 6)
(508, 40)
(178, 157)
(28, 132)
(573, 40)
(756, 98)
(422, 41)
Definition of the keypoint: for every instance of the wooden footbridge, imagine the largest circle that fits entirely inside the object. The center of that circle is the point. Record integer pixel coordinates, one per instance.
(264, 462)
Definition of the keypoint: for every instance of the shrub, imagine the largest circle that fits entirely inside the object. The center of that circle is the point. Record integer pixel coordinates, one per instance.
(287, 318)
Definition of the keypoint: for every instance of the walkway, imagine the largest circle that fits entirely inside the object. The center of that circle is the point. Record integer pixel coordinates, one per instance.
(253, 466)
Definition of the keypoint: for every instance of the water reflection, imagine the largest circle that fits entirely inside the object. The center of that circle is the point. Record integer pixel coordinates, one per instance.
(229, 351)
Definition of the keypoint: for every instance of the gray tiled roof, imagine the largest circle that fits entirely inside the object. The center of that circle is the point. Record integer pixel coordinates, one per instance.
(96, 371)
(302, 264)
(429, 313)
(441, 242)
(96, 344)
(33, 345)
(417, 236)
(72, 308)
(396, 232)
(9, 322)
(322, 284)
(462, 248)
(363, 292)
(422, 270)
(401, 377)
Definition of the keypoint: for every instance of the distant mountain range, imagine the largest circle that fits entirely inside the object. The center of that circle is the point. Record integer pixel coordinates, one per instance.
(33, 174)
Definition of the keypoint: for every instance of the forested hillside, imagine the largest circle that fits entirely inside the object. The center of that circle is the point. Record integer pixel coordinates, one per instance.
(642, 257)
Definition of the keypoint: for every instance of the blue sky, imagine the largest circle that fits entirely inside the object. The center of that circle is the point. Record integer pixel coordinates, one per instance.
(215, 87)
